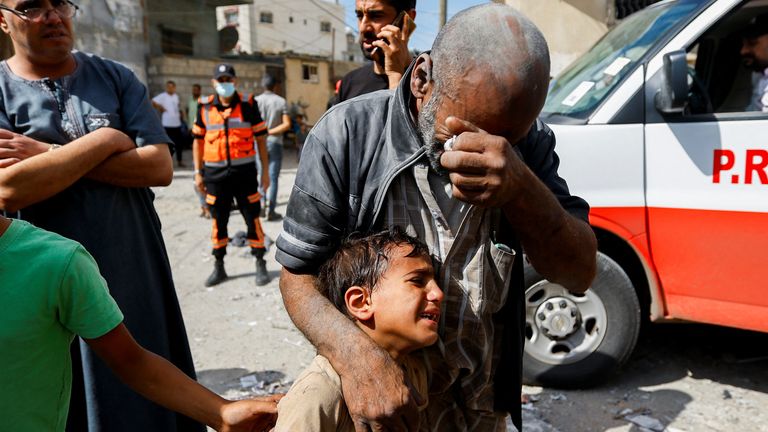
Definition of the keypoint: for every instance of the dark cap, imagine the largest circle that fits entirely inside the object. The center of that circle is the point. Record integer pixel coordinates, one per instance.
(224, 69)
(757, 26)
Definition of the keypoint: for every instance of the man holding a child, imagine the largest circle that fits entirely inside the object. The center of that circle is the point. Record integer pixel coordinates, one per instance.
(475, 178)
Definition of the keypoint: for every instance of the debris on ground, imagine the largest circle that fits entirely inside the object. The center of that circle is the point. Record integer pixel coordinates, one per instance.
(646, 422)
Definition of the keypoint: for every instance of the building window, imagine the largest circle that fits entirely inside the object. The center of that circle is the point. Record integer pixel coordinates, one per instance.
(309, 73)
(265, 17)
(176, 42)
(305, 22)
(290, 19)
(325, 27)
(231, 17)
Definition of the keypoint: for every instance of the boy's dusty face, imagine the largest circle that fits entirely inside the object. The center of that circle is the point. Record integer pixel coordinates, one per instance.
(406, 303)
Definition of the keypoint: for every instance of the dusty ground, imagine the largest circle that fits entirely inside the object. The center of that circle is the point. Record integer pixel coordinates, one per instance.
(681, 377)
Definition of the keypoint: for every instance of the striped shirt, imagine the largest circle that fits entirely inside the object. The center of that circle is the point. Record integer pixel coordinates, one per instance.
(474, 276)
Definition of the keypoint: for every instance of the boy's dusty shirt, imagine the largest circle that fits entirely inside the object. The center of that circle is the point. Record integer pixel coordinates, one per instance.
(315, 402)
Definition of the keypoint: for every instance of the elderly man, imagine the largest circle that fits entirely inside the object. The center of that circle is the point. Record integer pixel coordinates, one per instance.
(456, 156)
(79, 146)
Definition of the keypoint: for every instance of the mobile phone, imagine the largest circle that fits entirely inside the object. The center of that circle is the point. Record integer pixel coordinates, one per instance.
(397, 22)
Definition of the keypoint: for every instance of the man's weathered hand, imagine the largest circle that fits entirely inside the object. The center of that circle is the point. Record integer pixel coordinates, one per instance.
(16, 148)
(250, 415)
(483, 168)
(380, 401)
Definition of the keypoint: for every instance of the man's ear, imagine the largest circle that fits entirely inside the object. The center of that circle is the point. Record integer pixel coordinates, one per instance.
(421, 77)
(4, 25)
(358, 301)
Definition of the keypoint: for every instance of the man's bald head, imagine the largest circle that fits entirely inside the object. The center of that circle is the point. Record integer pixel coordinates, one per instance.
(489, 66)
(498, 41)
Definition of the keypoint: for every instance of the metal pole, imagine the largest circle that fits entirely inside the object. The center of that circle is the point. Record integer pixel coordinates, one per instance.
(443, 8)
(333, 53)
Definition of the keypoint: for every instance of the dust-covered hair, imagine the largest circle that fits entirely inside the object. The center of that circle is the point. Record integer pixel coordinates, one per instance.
(361, 260)
(495, 38)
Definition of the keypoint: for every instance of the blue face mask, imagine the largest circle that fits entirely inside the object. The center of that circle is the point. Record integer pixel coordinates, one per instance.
(225, 89)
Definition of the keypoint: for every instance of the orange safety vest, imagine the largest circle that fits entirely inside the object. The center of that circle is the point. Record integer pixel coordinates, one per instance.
(227, 136)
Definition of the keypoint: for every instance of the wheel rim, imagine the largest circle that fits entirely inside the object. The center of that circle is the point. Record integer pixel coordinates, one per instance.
(561, 327)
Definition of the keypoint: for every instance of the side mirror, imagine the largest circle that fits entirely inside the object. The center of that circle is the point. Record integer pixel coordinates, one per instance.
(673, 94)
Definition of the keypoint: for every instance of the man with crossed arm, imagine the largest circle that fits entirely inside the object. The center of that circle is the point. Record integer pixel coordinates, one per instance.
(80, 145)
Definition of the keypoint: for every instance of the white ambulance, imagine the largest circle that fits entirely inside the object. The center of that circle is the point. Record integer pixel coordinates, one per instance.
(654, 130)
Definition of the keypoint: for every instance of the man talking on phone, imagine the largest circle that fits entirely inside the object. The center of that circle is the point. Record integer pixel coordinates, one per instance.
(385, 27)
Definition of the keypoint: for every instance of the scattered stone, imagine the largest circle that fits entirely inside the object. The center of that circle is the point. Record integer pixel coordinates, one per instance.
(248, 381)
(532, 422)
(625, 412)
(253, 323)
(557, 397)
(239, 240)
(727, 394)
(646, 422)
(236, 298)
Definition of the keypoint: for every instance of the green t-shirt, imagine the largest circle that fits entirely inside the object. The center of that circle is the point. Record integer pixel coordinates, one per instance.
(50, 291)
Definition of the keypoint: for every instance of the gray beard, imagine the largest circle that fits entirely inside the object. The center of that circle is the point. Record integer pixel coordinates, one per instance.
(426, 125)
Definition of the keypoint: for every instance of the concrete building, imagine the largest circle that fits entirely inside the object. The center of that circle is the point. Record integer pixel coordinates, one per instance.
(311, 27)
(353, 53)
(571, 27)
(308, 84)
(184, 45)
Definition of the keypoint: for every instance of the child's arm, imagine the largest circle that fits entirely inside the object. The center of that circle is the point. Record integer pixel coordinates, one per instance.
(160, 381)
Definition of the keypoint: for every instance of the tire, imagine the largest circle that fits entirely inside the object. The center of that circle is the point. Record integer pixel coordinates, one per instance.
(578, 341)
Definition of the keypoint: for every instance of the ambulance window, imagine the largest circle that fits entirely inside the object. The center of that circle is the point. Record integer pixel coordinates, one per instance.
(582, 86)
(724, 76)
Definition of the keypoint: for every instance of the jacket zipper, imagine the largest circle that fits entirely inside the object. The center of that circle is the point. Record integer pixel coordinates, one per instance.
(381, 193)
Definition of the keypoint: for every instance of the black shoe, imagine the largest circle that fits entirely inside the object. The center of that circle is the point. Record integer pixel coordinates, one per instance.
(218, 276)
(262, 277)
(274, 216)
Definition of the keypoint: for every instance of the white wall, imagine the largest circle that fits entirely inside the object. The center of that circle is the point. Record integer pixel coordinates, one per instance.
(303, 35)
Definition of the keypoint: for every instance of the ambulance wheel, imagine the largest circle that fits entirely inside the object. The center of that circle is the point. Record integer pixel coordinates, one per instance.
(579, 340)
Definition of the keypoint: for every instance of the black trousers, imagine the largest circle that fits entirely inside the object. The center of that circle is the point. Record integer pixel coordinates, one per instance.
(239, 183)
(178, 139)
